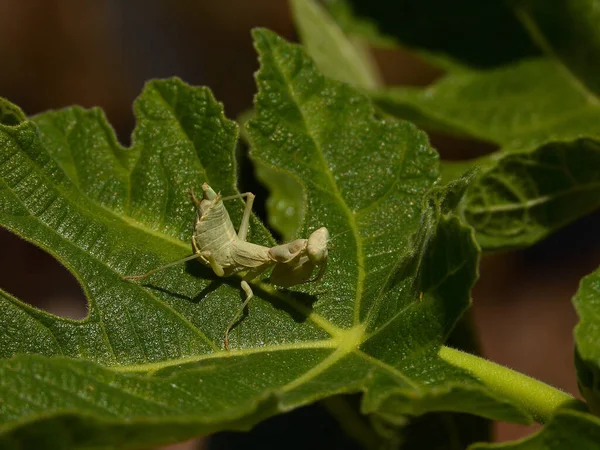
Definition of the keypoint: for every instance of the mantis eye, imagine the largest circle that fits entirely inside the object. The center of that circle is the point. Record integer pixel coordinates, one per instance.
(317, 245)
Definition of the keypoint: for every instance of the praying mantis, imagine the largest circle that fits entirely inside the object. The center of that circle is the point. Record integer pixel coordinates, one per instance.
(216, 244)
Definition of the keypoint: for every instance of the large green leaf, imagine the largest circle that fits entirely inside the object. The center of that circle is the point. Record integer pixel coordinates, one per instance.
(587, 339)
(546, 173)
(567, 430)
(147, 365)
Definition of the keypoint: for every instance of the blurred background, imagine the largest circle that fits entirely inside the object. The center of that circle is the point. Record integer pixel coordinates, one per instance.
(58, 53)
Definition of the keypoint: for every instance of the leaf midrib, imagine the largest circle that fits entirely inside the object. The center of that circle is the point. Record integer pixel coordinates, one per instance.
(337, 194)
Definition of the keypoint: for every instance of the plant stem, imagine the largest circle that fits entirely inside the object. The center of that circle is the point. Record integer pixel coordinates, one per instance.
(538, 398)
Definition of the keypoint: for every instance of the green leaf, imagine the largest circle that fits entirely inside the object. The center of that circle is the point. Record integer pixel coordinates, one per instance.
(520, 106)
(336, 56)
(285, 209)
(568, 32)
(587, 339)
(545, 174)
(147, 365)
(567, 430)
(329, 149)
(514, 203)
(467, 32)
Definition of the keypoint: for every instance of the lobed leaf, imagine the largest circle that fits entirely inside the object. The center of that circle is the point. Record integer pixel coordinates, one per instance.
(531, 107)
(147, 365)
(335, 54)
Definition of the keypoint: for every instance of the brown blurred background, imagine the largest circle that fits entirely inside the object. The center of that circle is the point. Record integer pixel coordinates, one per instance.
(58, 53)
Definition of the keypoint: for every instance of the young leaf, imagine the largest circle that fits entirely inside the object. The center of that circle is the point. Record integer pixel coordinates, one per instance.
(545, 175)
(335, 55)
(568, 429)
(587, 339)
(147, 365)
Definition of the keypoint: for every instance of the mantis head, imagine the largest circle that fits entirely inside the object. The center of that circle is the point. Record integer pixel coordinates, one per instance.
(316, 250)
(316, 247)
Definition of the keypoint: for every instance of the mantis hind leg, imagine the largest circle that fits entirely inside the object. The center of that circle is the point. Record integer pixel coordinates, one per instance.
(245, 224)
(249, 294)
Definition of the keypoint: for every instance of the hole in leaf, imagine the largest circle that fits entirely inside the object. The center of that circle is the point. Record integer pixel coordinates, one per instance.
(36, 278)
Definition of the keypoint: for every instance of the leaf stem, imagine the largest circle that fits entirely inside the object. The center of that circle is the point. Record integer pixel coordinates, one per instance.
(537, 397)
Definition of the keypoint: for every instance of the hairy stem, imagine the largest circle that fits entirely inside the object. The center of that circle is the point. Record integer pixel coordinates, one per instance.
(538, 398)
